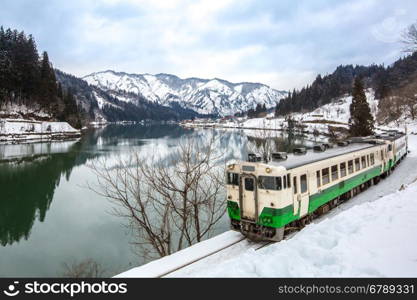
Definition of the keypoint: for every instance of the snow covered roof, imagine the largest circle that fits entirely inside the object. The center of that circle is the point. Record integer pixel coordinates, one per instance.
(295, 160)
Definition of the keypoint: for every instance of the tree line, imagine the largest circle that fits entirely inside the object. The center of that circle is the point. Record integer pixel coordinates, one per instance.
(325, 88)
(259, 111)
(28, 79)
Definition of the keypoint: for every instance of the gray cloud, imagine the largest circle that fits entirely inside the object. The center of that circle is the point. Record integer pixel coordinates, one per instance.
(281, 43)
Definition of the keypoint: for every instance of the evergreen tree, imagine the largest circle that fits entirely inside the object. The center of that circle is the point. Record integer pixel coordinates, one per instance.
(361, 120)
(26, 79)
(48, 84)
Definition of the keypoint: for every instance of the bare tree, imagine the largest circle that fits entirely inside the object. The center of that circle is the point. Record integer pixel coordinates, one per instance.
(409, 38)
(408, 96)
(170, 203)
(389, 109)
(85, 269)
(400, 102)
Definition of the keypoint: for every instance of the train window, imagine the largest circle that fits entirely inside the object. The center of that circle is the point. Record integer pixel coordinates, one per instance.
(389, 147)
(270, 183)
(284, 182)
(367, 160)
(357, 164)
(289, 180)
(382, 154)
(325, 176)
(303, 183)
(350, 166)
(372, 159)
(363, 162)
(335, 174)
(233, 178)
(267, 182)
(279, 183)
(343, 169)
(295, 184)
(318, 178)
(249, 186)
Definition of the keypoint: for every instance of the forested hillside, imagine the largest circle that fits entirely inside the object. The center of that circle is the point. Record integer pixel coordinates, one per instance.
(28, 82)
(384, 81)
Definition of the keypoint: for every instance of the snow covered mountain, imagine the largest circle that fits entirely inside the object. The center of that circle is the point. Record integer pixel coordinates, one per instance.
(214, 96)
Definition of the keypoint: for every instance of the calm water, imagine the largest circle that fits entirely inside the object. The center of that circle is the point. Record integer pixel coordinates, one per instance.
(48, 217)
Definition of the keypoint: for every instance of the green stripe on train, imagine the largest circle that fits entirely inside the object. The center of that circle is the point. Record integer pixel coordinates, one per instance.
(336, 190)
(273, 217)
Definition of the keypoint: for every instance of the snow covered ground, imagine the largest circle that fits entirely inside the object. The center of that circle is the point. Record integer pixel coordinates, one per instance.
(20, 111)
(12, 130)
(373, 234)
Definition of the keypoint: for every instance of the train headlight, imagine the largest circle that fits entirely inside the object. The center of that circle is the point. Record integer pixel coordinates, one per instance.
(229, 197)
(268, 170)
(231, 167)
(267, 220)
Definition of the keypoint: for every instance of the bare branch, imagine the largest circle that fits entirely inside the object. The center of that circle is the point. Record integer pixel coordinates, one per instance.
(170, 203)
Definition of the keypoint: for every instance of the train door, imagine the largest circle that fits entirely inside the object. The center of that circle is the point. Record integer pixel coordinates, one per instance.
(390, 155)
(295, 188)
(383, 160)
(303, 196)
(248, 197)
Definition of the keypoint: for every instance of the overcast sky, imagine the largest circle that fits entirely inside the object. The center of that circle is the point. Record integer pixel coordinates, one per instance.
(284, 43)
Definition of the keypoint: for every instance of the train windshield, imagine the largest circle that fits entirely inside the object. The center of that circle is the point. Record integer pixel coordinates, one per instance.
(270, 183)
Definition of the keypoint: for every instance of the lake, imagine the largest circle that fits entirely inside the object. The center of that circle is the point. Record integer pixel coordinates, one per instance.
(47, 215)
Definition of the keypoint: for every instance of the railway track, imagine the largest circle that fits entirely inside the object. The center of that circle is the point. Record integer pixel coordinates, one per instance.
(203, 257)
(243, 242)
(256, 246)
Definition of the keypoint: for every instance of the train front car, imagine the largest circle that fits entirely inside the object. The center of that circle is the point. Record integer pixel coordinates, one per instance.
(259, 200)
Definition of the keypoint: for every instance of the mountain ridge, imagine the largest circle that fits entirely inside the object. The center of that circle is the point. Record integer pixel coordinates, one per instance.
(204, 96)
(173, 75)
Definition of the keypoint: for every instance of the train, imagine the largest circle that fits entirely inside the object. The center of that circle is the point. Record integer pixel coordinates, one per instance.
(270, 195)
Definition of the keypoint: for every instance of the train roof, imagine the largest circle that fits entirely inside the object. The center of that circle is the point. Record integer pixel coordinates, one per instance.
(356, 144)
(294, 160)
(390, 137)
(298, 160)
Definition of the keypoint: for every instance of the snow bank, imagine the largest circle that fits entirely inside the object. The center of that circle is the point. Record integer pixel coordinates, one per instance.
(372, 239)
(20, 130)
(181, 258)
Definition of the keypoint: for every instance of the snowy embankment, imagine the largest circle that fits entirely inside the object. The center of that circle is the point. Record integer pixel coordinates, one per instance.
(14, 130)
(372, 234)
